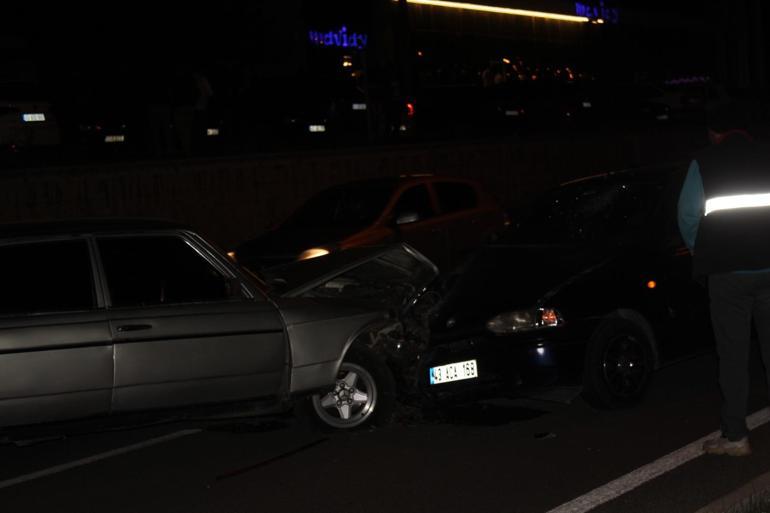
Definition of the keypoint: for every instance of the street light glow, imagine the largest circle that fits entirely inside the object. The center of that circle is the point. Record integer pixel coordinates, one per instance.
(501, 10)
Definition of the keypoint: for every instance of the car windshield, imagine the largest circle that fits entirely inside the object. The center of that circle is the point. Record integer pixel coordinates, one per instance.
(355, 205)
(596, 210)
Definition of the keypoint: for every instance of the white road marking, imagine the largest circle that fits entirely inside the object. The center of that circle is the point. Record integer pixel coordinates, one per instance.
(657, 468)
(97, 457)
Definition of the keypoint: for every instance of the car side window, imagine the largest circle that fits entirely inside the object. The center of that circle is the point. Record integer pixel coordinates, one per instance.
(158, 270)
(46, 277)
(455, 196)
(413, 205)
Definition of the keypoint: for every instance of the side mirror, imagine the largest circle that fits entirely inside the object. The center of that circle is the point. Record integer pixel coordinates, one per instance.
(407, 218)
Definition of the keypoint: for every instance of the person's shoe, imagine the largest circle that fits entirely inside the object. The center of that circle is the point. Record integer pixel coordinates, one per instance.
(724, 446)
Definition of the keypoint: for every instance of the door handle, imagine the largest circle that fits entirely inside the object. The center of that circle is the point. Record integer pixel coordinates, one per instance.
(134, 327)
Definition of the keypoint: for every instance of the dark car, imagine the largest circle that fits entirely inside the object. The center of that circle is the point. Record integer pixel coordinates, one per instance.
(633, 103)
(117, 316)
(104, 129)
(590, 288)
(444, 218)
(26, 117)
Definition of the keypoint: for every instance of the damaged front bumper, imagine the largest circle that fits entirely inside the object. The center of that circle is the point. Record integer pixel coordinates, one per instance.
(505, 366)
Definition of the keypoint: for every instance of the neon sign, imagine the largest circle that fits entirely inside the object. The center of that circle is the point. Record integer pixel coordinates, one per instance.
(340, 38)
(600, 12)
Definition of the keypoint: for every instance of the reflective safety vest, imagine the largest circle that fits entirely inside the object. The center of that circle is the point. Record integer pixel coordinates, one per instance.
(734, 233)
(737, 201)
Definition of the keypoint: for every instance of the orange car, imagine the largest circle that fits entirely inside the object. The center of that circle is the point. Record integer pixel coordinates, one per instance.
(444, 218)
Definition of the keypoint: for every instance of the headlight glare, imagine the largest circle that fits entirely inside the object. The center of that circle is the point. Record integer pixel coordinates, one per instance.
(313, 253)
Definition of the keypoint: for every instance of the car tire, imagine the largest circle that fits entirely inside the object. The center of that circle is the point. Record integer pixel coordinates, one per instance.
(619, 365)
(364, 395)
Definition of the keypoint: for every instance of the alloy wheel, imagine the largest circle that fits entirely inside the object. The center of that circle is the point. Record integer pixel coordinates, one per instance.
(351, 402)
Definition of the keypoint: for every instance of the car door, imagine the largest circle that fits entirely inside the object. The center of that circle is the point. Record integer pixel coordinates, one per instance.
(181, 337)
(687, 301)
(416, 223)
(55, 345)
(686, 298)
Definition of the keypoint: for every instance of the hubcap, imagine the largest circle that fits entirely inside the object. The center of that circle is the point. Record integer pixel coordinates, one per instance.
(351, 401)
(625, 366)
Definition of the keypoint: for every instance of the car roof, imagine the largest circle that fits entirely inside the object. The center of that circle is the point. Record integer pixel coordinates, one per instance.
(86, 225)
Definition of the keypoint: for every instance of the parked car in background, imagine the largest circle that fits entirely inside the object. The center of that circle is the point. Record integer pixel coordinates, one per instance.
(590, 290)
(116, 316)
(633, 103)
(452, 111)
(26, 117)
(444, 218)
(695, 100)
(102, 129)
(556, 104)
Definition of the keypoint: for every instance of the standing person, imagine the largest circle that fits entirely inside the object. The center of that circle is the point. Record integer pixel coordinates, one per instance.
(724, 218)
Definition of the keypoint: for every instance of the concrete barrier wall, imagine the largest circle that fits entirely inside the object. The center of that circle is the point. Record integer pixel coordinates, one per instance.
(231, 199)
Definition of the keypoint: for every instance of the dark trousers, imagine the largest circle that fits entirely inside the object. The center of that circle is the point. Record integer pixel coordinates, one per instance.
(736, 298)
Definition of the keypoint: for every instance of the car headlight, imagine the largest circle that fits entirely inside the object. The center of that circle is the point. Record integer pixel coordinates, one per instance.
(313, 253)
(524, 320)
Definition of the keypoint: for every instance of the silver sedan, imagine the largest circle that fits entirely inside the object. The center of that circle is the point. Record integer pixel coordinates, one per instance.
(104, 317)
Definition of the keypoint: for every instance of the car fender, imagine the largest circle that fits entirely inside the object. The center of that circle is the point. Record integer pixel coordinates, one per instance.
(320, 334)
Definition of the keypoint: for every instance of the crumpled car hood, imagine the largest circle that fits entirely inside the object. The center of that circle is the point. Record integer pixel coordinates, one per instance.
(392, 276)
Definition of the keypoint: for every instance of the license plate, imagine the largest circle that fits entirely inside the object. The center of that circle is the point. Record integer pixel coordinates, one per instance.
(453, 372)
(512, 113)
(33, 117)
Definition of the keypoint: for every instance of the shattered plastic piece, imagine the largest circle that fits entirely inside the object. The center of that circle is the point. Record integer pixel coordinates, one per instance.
(545, 435)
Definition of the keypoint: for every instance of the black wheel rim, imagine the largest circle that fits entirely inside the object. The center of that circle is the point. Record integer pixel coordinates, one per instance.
(625, 366)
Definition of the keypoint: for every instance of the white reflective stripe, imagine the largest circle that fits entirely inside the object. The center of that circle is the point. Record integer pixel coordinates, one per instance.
(735, 202)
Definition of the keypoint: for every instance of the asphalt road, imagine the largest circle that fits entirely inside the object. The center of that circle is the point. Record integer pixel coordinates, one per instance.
(506, 456)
